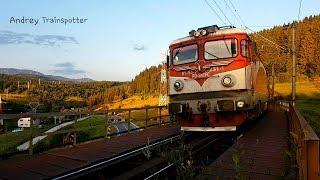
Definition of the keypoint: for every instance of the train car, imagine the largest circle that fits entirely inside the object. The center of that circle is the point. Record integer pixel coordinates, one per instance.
(216, 81)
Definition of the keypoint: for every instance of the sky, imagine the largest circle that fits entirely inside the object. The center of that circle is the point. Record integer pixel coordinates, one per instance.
(120, 38)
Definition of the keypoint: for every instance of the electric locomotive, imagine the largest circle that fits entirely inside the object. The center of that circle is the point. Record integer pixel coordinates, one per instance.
(215, 79)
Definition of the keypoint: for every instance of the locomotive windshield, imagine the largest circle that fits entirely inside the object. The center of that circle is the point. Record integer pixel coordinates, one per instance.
(185, 54)
(226, 48)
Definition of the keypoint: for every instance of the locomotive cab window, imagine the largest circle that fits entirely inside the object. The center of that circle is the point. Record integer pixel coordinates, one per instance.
(185, 54)
(225, 48)
(245, 48)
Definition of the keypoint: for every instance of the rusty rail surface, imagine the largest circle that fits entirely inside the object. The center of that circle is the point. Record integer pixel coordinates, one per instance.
(126, 114)
(306, 144)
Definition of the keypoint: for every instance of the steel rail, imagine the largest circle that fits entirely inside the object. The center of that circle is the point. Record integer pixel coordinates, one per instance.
(161, 170)
(82, 170)
(192, 153)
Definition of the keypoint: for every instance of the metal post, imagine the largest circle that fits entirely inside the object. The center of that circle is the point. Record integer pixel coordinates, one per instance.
(129, 120)
(273, 76)
(75, 138)
(147, 117)
(160, 120)
(106, 124)
(31, 137)
(294, 64)
(75, 132)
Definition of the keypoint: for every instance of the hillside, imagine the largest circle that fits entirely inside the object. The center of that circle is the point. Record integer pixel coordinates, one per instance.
(146, 83)
(307, 47)
(37, 75)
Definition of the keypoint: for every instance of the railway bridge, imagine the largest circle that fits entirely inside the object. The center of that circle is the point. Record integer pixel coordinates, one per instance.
(279, 144)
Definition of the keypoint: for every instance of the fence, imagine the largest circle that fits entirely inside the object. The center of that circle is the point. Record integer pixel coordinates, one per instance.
(145, 117)
(307, 144)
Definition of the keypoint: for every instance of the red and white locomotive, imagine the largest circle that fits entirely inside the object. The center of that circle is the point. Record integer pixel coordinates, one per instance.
(216, 81)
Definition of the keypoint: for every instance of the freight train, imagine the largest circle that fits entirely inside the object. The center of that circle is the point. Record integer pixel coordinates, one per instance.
(216, 80)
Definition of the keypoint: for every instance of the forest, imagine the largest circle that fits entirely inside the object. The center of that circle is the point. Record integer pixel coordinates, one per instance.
(307, 34)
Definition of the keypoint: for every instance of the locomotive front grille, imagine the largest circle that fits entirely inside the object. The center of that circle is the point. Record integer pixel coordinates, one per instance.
(225, 105)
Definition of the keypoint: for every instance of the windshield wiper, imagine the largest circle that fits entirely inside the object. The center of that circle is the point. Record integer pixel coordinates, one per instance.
(224, 40)
(212, 55)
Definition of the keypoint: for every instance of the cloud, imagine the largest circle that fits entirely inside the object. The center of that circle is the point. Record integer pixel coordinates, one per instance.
(67, 68)
(10, 37)
(139, 47)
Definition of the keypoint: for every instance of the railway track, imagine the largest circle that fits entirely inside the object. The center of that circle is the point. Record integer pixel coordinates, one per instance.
(202, 150)
(116, 160)
(164, 158)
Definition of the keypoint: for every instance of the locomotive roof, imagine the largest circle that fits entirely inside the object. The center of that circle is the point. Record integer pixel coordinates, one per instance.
(218, 32)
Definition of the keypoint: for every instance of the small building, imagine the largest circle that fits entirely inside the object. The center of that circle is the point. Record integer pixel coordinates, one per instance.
(25, 122)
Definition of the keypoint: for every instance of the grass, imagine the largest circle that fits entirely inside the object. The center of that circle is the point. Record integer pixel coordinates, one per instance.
(11, 97)
(304, 89)
(10, 140)
(97, 130)
(308, 100)
(134, 102)
(310, 109)
(96, 122)
(75, 98)
(139, 116)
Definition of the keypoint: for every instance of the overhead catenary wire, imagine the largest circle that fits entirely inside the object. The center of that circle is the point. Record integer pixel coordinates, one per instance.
(261, 36)
(238, 14)
(222, 12)
(233, 13)
(215, 12)
(268, 40)
(243, 24)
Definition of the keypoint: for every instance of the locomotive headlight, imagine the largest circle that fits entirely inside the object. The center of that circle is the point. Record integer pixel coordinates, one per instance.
(178, 85)
(228, 80)
(197, 34)
(240, 104)
(203, 32)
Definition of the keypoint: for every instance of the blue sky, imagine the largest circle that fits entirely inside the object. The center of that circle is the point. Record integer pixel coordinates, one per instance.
(120, 38)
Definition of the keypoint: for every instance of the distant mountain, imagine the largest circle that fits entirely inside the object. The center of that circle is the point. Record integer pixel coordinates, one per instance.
(13, 71)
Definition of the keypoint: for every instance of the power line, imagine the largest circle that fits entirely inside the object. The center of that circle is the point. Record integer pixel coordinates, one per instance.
(299, 10)
(235, 10)
(242, 22)
(261, 36)
(212, 9)
(222, 11)
(233, 13)
(268, 40)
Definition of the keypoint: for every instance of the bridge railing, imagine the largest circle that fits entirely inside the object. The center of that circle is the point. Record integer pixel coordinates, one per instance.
(141, 117)
(306, 144)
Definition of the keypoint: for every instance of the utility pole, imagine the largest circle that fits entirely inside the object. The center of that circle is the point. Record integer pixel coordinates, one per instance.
(273, 77)
(294, 64)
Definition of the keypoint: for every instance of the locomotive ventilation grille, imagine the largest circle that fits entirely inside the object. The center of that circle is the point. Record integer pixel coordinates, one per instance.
(226, 105)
